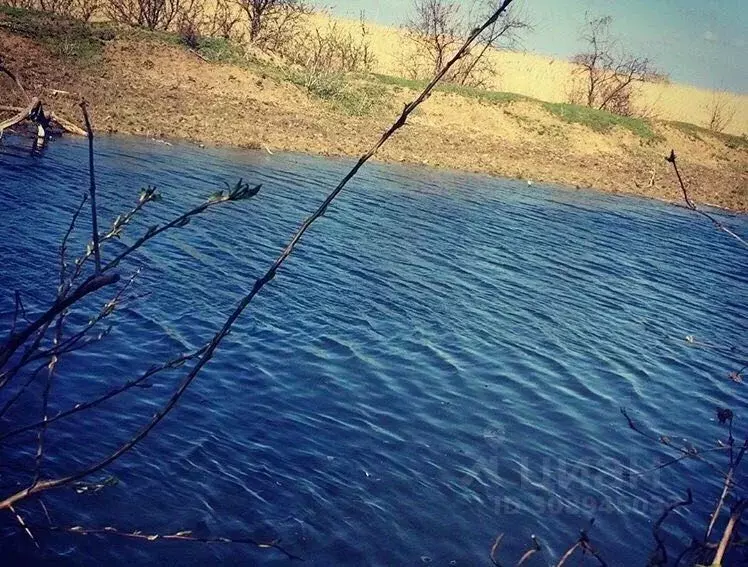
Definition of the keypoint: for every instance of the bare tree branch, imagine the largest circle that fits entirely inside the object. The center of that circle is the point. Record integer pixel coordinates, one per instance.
(691, 205)
(92, 188)
(43, 485)
(659, 556)
(182, 536)
(135, 383)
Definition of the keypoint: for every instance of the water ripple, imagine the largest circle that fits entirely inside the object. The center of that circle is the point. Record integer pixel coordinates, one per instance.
(443, 358)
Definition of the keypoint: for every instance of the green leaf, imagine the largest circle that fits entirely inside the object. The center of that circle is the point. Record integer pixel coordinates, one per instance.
(217, 196)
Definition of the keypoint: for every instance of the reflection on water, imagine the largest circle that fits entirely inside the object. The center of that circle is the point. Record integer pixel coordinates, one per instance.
(442, 359)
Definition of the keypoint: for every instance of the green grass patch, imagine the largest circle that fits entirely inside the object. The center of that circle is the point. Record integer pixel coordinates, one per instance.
(495, 97)
(345, 92)
(221, 50)
(64, 37)
(84, 42)
(600, 120)
(699, 132)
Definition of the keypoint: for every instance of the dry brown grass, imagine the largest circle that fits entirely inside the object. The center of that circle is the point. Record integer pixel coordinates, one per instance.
(550, 80)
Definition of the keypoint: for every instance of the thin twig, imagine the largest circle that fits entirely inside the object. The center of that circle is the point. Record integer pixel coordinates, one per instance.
(659, 556)
(727, 534)
(568, 553)
(136, 383)
(46, 512)
(530, 552)
(495, 549)
(67, 345)
(259, 284)
(725, 490)
(583, 543)
(686, 452)
(239, 192)
(63, 246)
(89, 286)
(147, 195)
(17, 309)
(45, 400)
(691, 205)
(23, 525)
(688, 455)
(92, 188)
(185, 535)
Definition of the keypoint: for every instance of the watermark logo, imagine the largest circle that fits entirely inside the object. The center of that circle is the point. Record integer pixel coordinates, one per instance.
(555, 484)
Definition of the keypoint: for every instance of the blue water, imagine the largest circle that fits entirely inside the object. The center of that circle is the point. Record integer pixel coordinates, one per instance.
(441, 360)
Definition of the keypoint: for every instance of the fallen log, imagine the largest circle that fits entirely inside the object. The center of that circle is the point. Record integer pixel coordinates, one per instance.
(27, 113)
(34, 112)
(66, 125)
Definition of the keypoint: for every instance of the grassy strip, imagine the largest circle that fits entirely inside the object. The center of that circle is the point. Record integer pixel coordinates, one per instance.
(600, 120)
(495, 97)
(699, 132)
(346, 93)
(64, 37)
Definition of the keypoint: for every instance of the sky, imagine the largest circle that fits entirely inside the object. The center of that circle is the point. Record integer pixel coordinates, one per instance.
(698, 42)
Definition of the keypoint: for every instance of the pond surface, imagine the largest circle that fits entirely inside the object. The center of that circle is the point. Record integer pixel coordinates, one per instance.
(442, 359)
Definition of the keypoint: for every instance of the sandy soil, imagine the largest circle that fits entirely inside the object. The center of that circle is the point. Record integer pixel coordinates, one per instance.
(164, 91)
(551, 79)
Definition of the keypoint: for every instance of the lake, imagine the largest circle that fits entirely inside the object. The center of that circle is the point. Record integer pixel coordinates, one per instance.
(443, 358)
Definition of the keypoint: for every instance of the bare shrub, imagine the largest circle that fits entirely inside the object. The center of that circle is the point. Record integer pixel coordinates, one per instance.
(606, 75)
(23, 4)
(320, 58)
(475, 69)
(62, 7)
(77, 9)
(85, 9)
(330, 50)
(721, 112)
(224, 21)
(152, 14)
(272, 23)
(437, 27)
(434, 28)
(190, 22)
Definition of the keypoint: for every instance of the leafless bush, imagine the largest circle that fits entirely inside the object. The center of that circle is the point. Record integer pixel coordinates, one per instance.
(606, 75)
(721, 111)
(78, 9)
(319, 59)
(272, 23)
(62, 7)
(330, 50)
(224, 21)
(152, 14)
(190, 21)
(85, 9)
(437, 27)
(23, 4)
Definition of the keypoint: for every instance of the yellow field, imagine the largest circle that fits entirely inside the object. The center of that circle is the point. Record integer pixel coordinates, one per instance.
(549, 79)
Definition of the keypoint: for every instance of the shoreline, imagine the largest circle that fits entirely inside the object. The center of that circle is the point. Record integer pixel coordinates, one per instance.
(538, 184)
(163, 91)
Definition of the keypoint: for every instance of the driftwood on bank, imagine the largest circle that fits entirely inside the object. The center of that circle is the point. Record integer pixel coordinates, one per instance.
(34, 112)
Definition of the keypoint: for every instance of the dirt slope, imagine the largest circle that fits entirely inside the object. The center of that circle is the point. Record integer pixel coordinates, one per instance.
(165, 91)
